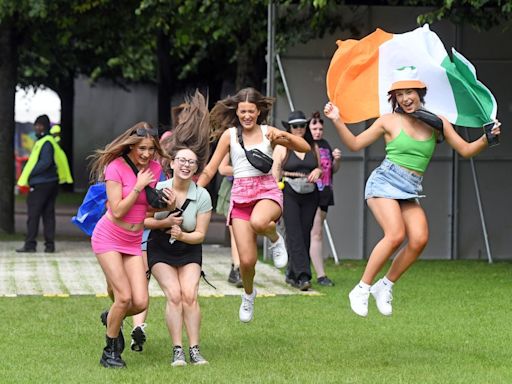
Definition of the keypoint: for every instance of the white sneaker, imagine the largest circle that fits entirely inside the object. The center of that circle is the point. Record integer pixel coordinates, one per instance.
(383, 295)
(247, 307)
(359, 300)
(279, 253)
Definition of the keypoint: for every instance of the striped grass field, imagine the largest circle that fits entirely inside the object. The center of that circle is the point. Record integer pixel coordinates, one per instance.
(451, 324)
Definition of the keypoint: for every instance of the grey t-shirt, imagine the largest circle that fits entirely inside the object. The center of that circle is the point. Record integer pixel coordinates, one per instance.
(200, 202)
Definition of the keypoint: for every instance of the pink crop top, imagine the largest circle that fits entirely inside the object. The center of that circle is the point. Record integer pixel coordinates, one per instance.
(121, 172)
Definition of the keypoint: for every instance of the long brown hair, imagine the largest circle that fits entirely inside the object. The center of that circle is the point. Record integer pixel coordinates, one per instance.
(223, 115)
(192, 130)
(119, 146)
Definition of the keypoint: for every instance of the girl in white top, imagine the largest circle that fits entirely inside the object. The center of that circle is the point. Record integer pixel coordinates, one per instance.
(256, 201)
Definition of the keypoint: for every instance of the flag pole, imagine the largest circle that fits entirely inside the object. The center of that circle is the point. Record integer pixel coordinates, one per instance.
(480, 206)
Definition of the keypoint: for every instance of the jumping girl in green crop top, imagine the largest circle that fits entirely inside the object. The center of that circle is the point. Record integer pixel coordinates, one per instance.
(393, 189)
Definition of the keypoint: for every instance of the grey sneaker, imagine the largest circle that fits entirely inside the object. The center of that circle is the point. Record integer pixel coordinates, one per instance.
(195, 356)
(234, 277)
(138, 337)
(178, 357)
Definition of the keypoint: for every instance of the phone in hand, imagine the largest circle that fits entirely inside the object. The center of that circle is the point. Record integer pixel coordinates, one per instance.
(492, 140)
(178, 211)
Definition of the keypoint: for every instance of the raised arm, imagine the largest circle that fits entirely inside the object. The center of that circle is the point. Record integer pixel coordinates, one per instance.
(353, 142)
(213, 165)
(464, 148)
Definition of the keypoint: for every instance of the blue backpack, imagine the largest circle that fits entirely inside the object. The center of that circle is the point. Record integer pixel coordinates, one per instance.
(92, 208)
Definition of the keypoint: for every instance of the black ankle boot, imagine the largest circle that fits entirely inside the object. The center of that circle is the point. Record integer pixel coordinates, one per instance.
(111, 357)
(103, 318)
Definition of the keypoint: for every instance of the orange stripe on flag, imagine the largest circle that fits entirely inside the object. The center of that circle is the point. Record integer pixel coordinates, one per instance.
(353, 77)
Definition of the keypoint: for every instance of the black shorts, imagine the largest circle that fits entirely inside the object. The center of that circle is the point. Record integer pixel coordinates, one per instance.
(326, 198)
(175, 254)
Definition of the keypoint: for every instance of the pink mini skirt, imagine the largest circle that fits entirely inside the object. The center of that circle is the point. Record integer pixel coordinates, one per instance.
(108, 237)
(247, 191)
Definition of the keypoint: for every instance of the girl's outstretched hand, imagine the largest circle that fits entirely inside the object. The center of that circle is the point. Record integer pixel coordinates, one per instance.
(331, 111)
(274, 134)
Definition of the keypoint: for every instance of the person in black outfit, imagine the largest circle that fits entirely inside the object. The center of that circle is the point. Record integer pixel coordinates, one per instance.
(44, 187)
(300, 171)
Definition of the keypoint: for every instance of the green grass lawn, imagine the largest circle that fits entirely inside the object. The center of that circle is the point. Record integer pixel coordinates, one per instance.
(451, 324)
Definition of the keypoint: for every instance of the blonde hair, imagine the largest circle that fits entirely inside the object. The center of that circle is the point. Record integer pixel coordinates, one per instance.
(120, 146)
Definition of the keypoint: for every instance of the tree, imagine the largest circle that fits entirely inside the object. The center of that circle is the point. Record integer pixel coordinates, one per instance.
(481, 14)
(17, 20)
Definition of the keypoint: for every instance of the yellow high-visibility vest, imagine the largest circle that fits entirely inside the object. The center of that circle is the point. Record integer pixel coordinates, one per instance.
(61, 161)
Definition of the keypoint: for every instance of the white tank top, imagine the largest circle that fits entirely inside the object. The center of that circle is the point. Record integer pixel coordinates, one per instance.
(241, 166)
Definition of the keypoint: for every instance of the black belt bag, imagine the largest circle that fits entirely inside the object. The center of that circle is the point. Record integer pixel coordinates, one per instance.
(258, 159)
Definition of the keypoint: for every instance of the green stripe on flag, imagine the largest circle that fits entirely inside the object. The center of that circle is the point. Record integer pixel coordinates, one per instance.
(475, 103)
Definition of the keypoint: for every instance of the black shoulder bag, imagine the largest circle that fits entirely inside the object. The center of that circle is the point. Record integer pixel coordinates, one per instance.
(155, 197)
(428, 118)
(258, 159)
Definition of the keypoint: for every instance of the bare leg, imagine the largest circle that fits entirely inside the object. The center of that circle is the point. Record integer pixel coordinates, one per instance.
(234, 250)
(168, 280)
(247, 249)
(416, 227)
(125, 275)
(388, 214)
(264, 217)
(189, 276)
(140, 318)
(316, 247)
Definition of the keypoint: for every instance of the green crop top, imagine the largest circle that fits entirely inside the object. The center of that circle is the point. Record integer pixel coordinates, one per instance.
(409, 153)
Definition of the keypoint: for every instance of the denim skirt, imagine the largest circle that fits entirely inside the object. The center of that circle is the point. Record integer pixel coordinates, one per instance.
(393, 182)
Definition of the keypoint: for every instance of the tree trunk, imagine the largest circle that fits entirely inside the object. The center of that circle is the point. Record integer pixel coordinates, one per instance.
(8, 75)
(164, 82)
(249, 66)
(66, 92)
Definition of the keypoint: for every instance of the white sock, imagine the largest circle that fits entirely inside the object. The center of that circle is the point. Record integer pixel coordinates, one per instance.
(387, 282)
(363, 285)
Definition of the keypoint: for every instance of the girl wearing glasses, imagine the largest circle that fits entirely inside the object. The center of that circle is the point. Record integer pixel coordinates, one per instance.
(117, 236)
(256, 201)
(174, 246)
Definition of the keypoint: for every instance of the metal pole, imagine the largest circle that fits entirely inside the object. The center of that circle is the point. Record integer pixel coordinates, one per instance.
(480, 207)
(271, 30)
(331, 243)
(285, 84)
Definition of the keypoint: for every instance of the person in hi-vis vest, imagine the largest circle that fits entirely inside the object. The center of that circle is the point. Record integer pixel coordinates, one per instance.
(46, 168)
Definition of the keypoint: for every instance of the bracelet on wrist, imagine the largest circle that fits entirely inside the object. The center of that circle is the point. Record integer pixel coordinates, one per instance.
(136, 189)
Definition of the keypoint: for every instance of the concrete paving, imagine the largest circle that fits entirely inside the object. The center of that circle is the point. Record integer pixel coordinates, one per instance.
(73, 270)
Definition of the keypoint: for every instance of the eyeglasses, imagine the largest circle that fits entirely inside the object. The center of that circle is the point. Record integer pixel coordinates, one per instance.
(297, 126)
(143, 132)
(184, 161)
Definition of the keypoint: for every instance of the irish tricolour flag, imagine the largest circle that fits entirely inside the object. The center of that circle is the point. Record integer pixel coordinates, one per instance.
(360, 75)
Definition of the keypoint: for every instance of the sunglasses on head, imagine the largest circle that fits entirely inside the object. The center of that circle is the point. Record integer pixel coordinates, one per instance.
(143, 132)
(314, 121)
(302, 125)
